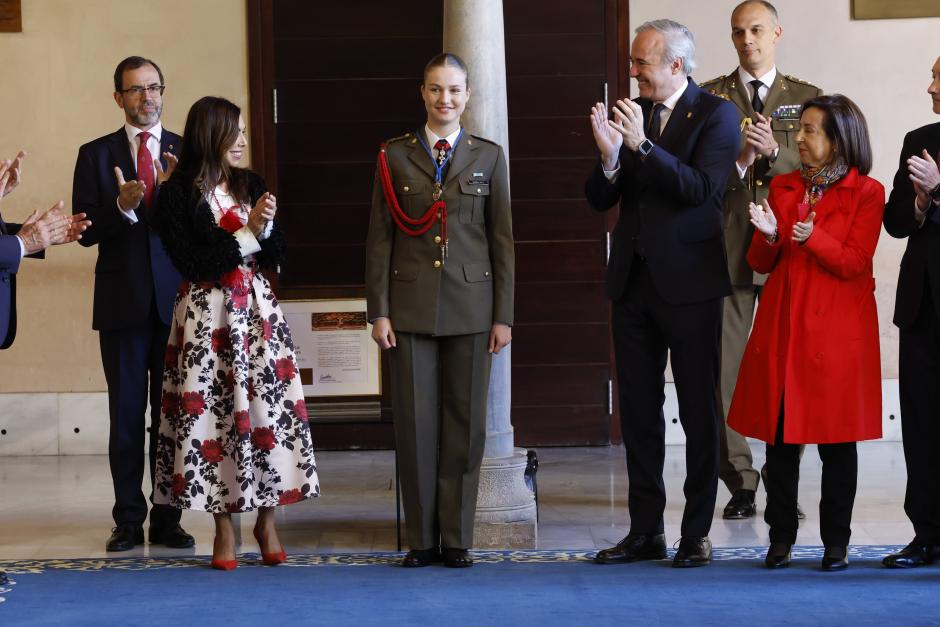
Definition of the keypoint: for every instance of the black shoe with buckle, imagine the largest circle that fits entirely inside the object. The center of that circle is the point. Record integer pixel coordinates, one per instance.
(740, 506)
(914, 555)
(125, 537)
(693, 551)
(634, 548)
(172, 536)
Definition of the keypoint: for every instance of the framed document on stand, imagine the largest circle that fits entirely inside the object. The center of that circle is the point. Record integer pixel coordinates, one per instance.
(336, 355)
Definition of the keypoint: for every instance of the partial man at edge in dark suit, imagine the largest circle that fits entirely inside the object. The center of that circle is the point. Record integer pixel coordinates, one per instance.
(911, 212)
(29, 239)
(116, 183)
(666, 158)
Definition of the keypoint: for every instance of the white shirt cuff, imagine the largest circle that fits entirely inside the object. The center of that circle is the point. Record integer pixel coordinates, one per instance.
(247, 242)
(612, 174)
(129, 214)
(22, 246)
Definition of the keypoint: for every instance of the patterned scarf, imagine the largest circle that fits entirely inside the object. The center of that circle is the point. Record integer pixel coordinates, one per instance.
(817, 180)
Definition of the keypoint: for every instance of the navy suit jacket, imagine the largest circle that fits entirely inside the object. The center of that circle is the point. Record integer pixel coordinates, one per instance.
(671, 201)
(921, 261)
(132, 268)
(9, 264)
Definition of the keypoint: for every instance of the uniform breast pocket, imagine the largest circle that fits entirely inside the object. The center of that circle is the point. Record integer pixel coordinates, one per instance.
(414, 197)
(785, 131)
(473, 197)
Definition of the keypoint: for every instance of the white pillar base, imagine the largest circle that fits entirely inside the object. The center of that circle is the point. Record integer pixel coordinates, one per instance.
(506, 515)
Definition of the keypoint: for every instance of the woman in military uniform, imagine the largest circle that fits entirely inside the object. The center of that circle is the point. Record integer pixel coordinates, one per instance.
(439, 279)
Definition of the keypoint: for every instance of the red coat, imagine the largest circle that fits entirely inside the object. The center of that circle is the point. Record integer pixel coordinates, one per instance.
(815, 338)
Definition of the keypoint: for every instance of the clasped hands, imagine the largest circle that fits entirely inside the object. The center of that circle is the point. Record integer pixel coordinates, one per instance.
(925, 175)
(132, 192)
(758, 140)
(384, 336)
(625, 130)
(49, 228)
(765, 221)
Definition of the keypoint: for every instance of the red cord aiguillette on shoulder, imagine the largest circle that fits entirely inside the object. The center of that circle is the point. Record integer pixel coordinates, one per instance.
(410, 226)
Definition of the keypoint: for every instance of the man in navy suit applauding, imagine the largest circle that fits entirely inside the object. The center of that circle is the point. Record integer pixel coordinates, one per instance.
(116, 181)
(665, 157)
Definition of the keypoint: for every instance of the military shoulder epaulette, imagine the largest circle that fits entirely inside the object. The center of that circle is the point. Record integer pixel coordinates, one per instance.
(483, 139)
(714, 80)
(794, 79)
(399, 138)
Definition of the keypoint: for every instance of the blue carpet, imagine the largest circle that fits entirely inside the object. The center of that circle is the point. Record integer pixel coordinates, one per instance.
(504, 588)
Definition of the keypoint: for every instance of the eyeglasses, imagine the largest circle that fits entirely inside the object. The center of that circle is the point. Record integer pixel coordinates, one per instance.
(153, 90)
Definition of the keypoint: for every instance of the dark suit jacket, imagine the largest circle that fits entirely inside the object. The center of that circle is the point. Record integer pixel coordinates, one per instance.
(132, 268)
(9, 264)
(671, 201)
(921, 261)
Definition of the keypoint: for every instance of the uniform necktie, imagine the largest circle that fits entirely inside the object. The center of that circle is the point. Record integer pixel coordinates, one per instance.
(655, 122)
(441, 148)
(145, 169)
(756, 103)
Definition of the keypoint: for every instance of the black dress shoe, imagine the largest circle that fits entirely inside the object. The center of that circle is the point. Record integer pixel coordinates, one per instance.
(416, 558)
(125, 537)
(778, 555)
(740, 506)
(457, 558)
(913, 555)
(835, 558)
(693, 551)
(633, 548)
(4, 580)
(174, 537)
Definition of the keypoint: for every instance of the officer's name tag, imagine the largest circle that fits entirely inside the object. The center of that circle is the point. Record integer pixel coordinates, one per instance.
(787, 112)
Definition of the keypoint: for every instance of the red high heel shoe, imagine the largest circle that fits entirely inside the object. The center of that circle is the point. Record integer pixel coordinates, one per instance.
(224, 564)
(270, 559)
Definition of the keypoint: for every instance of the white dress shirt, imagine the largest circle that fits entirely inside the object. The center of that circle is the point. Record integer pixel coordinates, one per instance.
(153, 145)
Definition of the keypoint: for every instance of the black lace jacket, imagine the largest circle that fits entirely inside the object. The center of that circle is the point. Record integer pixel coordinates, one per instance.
(199, 248)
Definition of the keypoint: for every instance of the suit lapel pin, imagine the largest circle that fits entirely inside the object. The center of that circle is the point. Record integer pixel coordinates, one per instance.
(689, 115)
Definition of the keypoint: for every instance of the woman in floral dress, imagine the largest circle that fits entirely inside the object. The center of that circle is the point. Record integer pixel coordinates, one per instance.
(234, 435)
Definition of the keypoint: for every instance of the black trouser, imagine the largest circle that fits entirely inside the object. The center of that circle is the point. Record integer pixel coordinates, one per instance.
(645, 327)
(919, 361)
(839, 480)
(133, 368)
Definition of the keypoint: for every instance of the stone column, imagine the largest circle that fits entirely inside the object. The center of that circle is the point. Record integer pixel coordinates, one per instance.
(506, 515)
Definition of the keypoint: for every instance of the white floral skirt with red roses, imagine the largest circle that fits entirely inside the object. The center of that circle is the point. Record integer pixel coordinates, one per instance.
(233, 429)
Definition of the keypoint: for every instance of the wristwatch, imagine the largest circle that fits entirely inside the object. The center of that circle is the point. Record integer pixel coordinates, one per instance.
(934, 193)
(645, 147)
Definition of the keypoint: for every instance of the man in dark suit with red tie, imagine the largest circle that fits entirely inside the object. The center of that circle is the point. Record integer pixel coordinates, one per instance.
(28, 239)
(912, 212)
(665, 158)
(116, 181)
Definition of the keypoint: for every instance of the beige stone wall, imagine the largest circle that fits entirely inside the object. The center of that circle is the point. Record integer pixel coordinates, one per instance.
(56, 94)
(883, 65)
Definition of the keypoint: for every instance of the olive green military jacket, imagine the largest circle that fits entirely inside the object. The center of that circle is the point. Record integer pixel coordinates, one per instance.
(782, 105)
(407, 277)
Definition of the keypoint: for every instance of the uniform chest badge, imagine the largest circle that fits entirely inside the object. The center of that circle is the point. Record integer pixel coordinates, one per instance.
(787, 112)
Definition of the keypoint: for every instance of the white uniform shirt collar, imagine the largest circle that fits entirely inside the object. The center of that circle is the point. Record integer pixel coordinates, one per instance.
(767, 80)
(432, 137)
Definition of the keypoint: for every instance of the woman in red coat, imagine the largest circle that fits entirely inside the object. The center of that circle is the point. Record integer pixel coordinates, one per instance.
(811, 372)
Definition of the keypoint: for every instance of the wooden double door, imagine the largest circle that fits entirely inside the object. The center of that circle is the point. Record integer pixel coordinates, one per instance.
(329, 81)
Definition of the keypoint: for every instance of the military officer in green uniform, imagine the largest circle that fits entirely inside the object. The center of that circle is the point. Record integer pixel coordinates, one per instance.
(768, 103)
(439, 282)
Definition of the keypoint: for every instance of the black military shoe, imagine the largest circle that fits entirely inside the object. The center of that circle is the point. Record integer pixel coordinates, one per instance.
(457, 558)
(417, 558)
(125, 537)
(693, 551)
(913, 555)
(173, 536)
(740, 506)
(634, 548)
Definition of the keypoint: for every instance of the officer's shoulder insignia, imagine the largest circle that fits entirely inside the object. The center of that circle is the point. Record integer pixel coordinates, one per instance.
(800, 81)
(399, 138)
(712, 82)
(483, 139)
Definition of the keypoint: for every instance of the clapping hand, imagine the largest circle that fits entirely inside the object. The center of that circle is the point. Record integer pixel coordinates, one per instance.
(802, 230)
(925, 176)
(11, 173)
(51, 228)
(764, 219)
(164, 175)
(629, 123)
(760, 136)
(607, 138)
(131, 192)
(262, 213)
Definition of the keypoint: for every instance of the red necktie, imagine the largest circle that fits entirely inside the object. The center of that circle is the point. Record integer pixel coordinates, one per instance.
(145, 169)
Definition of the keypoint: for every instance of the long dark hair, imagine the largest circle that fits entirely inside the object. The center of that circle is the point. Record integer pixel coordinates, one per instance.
(211, 129)
(845, 126)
